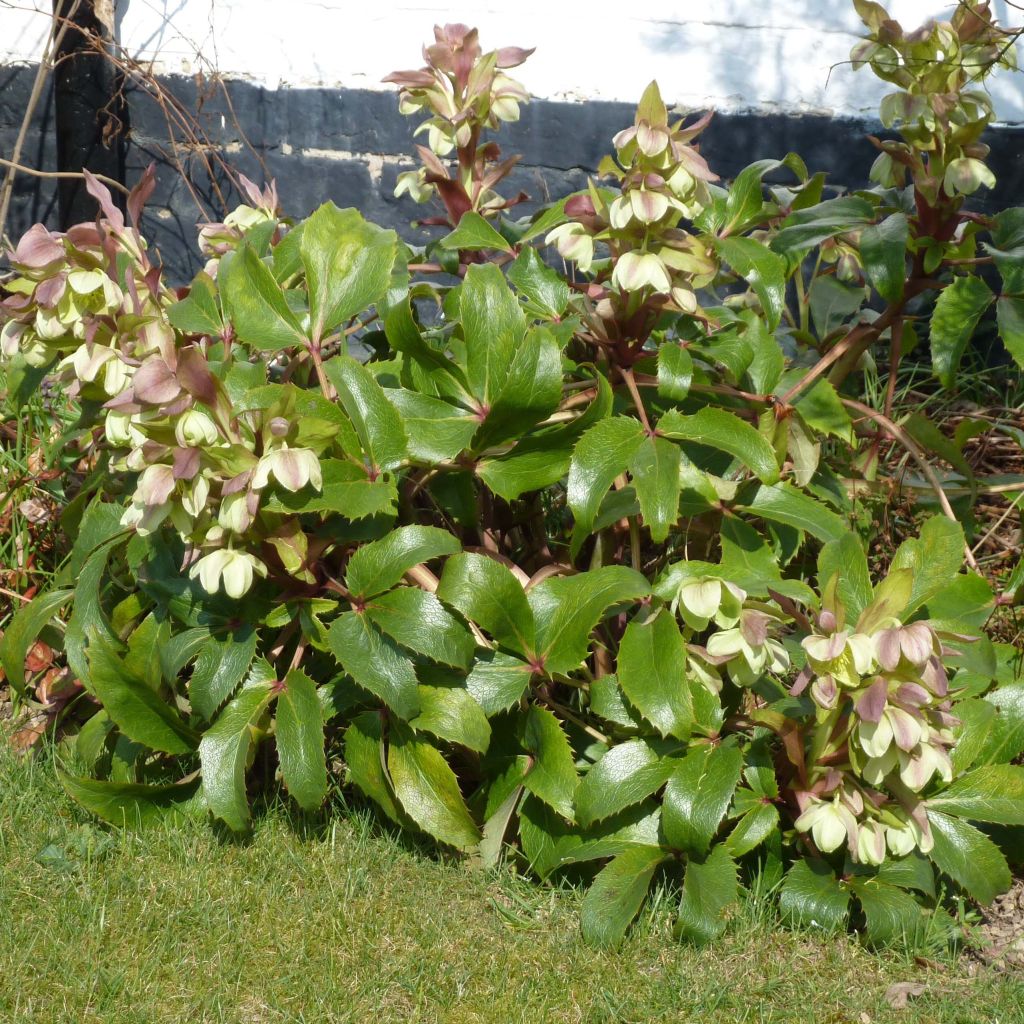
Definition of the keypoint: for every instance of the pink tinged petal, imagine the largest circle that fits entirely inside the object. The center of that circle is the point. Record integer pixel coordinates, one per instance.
(651, 141)
(824, 692)
(917, 643)
(887, 644)
(620, 141)
(186, 463)
(648, 206)
(830, 830)
(754, 627)
(512, 56)
(915, 772)
(875, 769)
(237, 483)
(38, 249)
(155, 383)
(156, 485)
(862, 650)
(49, 292)
(934, 677)
(800, 684)
(913, 694)
(872, 703)
(871, 844)
(906, 729)
(290, 469)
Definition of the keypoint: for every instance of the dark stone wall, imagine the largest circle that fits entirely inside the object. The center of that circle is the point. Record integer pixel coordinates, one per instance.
(350, 146)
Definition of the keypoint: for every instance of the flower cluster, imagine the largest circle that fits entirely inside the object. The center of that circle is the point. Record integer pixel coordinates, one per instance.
(90, 303)
(463, 91)
(940, 109)
(663, 179)
(217, 239)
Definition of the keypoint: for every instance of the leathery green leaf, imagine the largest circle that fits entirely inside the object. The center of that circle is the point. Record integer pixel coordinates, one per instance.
(552, 774)
(709, 888)
(300, 741)
(725, 431)
(698, 795)
(617, 894)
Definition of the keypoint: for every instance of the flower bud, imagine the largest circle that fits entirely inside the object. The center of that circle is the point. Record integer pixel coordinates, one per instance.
(870, 843)
(195, 429)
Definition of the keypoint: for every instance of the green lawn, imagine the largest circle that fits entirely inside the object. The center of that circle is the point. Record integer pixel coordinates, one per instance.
(339, 920)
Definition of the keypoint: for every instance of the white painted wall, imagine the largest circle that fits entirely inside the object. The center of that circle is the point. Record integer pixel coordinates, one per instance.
(730, 54)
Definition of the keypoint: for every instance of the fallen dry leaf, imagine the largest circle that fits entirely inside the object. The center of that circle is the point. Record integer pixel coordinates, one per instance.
(899, 994)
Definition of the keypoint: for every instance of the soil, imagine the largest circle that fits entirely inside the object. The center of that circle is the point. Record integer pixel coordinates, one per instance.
(1000, 938)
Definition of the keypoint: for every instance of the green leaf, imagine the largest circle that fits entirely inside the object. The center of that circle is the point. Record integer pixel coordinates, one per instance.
(992, 793)
(428, 791)
(821, 408)
(1007, 248)
(628, 773)
(890, 914)
(756, 825)
(226, 749)
(438, 431)
(972, 735)
(450, 713)
(911, 872)
(762, 269)
(300, 741)
(379, 565)
(726, 432)
(492, 326)
(222, 664)
(531, 391)
(133, 805)
(533, 464)
(1007, 739)
(23, 630)
(364, 757)
(709, 888)
(655, 471)
(698, 795)
(546, 291)
(967, 599)
(255, 304)
(934, 557)
(375, 663)
(1010, 321)
(133, 705)
(418, 621)
(474, 232)
(745, 200)
(804, 229)
(833, 303)
(811, 896)
(675, 371)
(377, 422)
(957, 311)
(567, 608)
(199, 311)
(347, 491)
(846, 559)
(552, 773)
(497, 681)
(652, 673)
(970, 858)
(486, 593)
(617, 894)
(348, 265)
(783, 503)
(883, 253)
(600, 455)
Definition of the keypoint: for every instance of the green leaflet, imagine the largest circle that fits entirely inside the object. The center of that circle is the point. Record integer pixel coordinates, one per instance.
(23, 630)
(552, 774)
(652, 674)
(449, 712)
(846, 560)
(627, 774)
(419, 622)
(255, 303)
(377, 422)
(222, 663)
(135, 805)
(486, 593)
(379, 565)
(655, 471)
(429, 792)
(601, 455)
(720, 429)
(199, 312)
(300, 741)
(968, 856)
(675, 372)
(811, 897)
(709, 888)
(474, 232)
(348, 265)
(375, 662)
(617, 894)
(804, 229)
(957, 311)
(493, 326)
(133, 705)
(992, 793)
(698, 794)
(545, 291)
(762, 269)
(364, 759)
(891, 915)
(883, 252)
(226, 748)
(934, 557)
(497, 681)
(783, 503)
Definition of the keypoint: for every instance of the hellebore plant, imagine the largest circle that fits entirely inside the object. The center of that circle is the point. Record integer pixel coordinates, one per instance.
(573, 569)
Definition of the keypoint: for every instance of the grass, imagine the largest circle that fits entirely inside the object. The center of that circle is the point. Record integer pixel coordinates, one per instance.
(337, 919)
